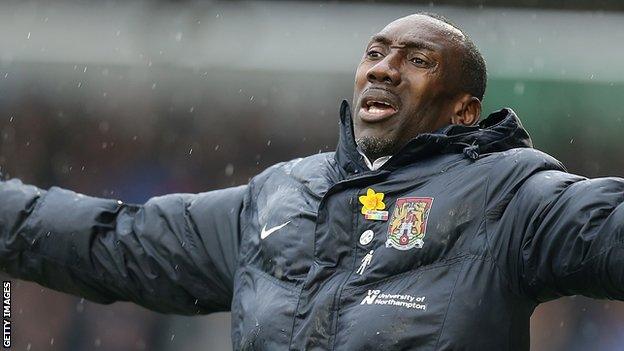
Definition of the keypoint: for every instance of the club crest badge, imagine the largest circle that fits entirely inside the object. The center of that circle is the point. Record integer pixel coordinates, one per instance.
(408, 223)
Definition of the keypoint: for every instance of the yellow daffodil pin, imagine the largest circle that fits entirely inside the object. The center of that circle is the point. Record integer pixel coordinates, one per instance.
(372, 201)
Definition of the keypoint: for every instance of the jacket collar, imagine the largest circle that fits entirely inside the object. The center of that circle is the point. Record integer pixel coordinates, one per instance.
(500, 131)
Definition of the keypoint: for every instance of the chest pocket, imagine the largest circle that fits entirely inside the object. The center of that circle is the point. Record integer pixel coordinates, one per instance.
(404, 312)
(262, 311)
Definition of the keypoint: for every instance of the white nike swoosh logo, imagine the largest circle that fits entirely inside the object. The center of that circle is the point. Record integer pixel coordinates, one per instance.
(264, 233)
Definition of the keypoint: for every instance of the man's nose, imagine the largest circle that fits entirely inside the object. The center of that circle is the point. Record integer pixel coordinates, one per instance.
(385, 71)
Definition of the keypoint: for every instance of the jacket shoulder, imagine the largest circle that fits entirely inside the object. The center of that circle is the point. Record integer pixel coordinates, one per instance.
(522, 161)
(303, 169)
(510, 169)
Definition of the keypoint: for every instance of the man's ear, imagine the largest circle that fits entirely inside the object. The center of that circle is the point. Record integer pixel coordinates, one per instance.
(467, 110)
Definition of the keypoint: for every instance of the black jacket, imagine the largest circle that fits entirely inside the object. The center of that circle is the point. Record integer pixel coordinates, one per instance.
(480, 229)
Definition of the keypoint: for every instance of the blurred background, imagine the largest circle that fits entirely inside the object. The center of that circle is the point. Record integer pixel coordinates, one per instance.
(131, 100)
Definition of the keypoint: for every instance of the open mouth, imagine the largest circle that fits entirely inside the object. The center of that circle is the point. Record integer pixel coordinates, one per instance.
(377, 108)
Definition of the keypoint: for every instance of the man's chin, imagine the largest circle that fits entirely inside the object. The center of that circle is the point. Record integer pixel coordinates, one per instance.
(375, 147)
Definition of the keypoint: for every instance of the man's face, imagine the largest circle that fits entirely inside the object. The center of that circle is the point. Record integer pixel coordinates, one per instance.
(404, 83)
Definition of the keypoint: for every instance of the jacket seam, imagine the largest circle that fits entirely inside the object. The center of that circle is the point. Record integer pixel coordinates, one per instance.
(487, 233)
(27, 223)
(421, 269)
(338, 295)
(291, 287)
(448, 306)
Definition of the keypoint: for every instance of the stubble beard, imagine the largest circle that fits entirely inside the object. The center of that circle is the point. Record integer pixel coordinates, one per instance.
(376, 147)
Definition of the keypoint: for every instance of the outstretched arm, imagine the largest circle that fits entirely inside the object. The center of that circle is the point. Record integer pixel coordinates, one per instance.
(175, 254)
(566, 236)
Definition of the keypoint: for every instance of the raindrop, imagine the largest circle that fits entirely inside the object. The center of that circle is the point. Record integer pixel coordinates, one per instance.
(229, 169)
(80, 306)
(79, 84)
(28, 346)
(153, 86)
(192, 109)
(28, 36)
(51, 341)
(571, 140)
(216, 147)
(85, 70)
(97, 342)
(251, 98)
(178, 37)
(190, 151)
(11, 119)
(172, 337)
(269, 142)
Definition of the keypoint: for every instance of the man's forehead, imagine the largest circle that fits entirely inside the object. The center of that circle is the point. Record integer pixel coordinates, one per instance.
(421, 27)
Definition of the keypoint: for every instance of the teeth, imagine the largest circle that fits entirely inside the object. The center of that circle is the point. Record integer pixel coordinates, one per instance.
(374, 109)
(370, 103)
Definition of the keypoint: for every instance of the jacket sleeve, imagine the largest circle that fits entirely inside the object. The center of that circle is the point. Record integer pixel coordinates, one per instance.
(175, 254)
(561, 234)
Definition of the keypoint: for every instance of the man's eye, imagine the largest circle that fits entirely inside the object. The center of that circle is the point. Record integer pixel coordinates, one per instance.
(418, 61)
(373, 54)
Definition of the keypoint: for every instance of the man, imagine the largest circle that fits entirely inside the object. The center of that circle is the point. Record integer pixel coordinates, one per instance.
(463, 228)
